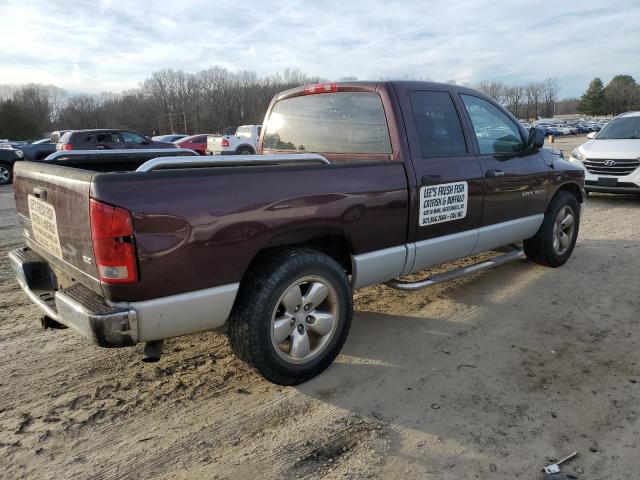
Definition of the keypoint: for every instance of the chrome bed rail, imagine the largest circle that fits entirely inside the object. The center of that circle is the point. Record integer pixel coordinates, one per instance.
(232, 161)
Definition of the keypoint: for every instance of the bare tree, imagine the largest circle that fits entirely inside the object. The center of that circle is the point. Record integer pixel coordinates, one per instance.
(494, 88)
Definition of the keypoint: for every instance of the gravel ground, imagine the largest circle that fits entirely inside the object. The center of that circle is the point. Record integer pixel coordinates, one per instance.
(491, 376)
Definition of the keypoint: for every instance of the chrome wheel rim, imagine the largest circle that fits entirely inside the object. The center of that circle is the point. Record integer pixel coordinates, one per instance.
(563, 230)
(4, 174)
(304, 320)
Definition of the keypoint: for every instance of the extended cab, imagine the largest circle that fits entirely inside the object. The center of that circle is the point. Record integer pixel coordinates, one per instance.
(358, 183)
(244, 142)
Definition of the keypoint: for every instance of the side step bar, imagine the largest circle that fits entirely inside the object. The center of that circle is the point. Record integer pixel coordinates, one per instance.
(405, 286)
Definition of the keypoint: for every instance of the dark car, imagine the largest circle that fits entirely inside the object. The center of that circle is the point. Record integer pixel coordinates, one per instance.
(107, 139)
(8, 156)
(41, 149)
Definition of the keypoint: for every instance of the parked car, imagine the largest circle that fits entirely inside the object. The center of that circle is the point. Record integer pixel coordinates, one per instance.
(611, 157)
(360, 183)
(42, 148)
(169, 138)
(104, 139)
(242, 143)
(197, 143)
(12, 143)
(8, 156)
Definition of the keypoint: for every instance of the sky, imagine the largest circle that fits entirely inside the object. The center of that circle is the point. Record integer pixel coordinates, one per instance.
(109, 45)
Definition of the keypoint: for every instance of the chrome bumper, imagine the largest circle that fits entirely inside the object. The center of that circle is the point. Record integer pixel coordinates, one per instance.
(76, 307)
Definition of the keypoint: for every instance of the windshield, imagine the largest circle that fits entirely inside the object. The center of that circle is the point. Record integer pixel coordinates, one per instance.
(621, 129)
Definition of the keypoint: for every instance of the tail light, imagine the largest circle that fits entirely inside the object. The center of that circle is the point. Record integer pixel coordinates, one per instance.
(67, 147)
(113, 247)
(224, 142)
(320, 88)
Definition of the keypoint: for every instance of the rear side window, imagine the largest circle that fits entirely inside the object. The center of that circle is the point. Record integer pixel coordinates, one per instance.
(344, 122)
(131, 137)
(438, 124)
(495, 131)
(108, 138)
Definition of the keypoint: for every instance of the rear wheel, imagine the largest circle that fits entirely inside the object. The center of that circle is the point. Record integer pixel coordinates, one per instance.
(554, 242)
(245, 151)
(292, 316)
(6, 174)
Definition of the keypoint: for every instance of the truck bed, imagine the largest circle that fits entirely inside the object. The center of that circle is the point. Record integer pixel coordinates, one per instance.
(200, 228)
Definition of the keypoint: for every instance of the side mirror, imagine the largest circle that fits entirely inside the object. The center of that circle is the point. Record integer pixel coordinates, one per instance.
(536, 138)
(592, 135)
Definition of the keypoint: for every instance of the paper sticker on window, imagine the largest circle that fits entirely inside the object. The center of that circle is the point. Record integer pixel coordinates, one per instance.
(443, 203)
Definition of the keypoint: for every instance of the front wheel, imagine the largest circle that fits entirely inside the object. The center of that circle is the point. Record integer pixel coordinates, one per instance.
(292, 315)
(555, 240)
(6, 174)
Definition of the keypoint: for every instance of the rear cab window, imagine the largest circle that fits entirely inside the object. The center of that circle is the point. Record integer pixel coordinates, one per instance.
(350, 123)
(244, 132)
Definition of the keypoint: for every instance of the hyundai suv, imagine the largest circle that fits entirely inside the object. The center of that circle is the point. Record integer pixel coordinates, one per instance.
(611, 158)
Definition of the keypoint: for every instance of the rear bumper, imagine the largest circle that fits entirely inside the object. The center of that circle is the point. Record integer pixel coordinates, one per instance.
(76, 307)
(122, 324)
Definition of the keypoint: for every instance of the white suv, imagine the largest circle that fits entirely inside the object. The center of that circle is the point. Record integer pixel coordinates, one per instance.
(244, 142)
(611, 158)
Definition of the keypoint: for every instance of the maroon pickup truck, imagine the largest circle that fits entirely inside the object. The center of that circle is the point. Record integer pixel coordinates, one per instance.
(356, 184)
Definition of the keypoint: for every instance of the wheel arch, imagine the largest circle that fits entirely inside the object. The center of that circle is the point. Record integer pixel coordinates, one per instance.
(245, 146)
(571, 187)
(335, 244)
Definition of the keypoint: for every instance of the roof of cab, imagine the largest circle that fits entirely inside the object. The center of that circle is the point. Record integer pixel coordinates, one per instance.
(359, 86)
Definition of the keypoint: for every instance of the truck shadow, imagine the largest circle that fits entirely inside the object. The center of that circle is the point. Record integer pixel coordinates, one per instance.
(482, 373)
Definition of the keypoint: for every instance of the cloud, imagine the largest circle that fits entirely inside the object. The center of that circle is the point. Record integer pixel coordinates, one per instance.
(90, 46)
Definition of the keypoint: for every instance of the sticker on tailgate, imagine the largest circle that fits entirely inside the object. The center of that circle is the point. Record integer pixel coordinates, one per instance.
(44, 225)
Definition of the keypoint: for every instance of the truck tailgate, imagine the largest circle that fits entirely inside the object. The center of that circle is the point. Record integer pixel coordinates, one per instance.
(214, 143)
(53, 210)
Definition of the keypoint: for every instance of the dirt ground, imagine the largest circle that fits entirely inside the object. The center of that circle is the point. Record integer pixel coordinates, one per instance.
(488, 377)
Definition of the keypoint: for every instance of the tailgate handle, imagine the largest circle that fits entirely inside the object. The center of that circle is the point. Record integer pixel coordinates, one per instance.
(40, 193)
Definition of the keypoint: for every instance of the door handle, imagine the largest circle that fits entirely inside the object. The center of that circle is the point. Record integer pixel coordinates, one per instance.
(494, 173)
(431, 179)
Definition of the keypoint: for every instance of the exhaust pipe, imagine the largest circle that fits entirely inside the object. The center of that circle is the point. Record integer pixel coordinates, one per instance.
(152, 351)
(48, 322)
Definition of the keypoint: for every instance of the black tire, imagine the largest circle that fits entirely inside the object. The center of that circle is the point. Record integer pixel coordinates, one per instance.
(540, 248)
(245, 151)
(6, 173)
(261, 292)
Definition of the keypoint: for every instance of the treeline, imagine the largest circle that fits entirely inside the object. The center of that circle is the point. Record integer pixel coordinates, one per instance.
(168, 101)
(621, 94)
(174, 101)
(528, 102)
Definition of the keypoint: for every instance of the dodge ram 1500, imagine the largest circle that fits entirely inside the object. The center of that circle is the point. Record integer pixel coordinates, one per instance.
(355, 184)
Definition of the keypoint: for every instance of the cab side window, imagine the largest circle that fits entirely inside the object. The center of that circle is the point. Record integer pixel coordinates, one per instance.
(438, 124)
(496, 132)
